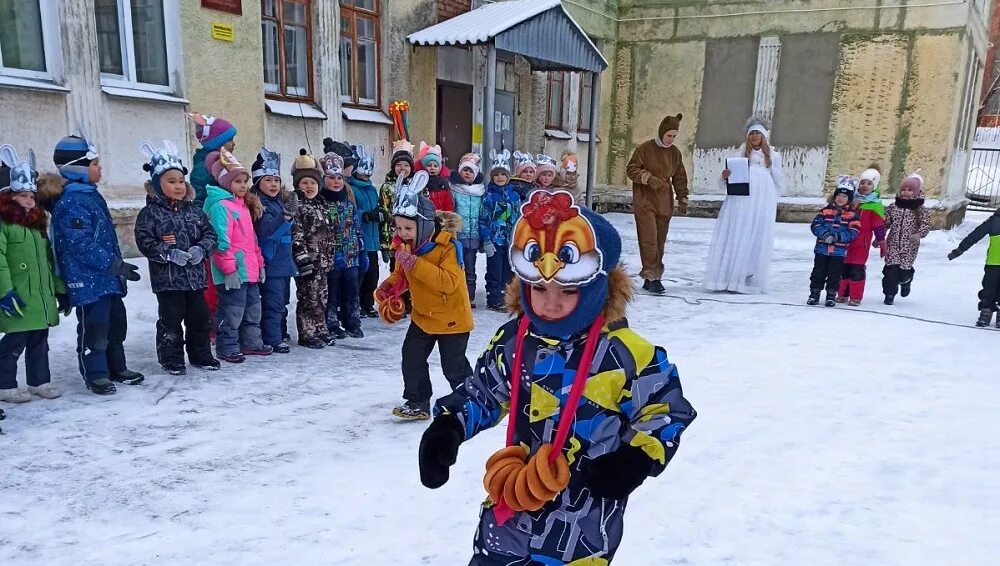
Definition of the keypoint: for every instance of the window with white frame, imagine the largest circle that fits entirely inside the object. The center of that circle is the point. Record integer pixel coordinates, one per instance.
(555, 100)
(359, 52)
(586, 93)
(286, 31)
(29, 38)
(132, 43)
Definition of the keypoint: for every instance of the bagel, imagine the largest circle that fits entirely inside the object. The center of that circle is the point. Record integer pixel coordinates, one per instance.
(525, 499)
(535, 485)
(504, 453)
(497, 477)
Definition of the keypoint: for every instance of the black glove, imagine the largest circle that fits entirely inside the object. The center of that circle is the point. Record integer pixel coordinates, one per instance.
(439, 450)
(126, 270)
(616, 475)
(385, 256)
(64, 305)
(954, 253)
(305, 265)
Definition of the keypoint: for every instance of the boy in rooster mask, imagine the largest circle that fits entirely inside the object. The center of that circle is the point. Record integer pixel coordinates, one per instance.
(578, 444)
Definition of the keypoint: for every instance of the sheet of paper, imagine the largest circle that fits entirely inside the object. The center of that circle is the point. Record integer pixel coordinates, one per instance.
(739, 170)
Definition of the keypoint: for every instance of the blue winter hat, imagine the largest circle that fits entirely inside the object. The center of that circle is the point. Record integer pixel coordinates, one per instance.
(555, 240)
(73, 156)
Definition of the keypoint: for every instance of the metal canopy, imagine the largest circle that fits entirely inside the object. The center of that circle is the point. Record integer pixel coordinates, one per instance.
(539, 30)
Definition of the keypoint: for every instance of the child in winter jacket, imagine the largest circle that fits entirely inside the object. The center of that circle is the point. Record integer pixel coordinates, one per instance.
(90, 262)
(429, 262)
(872, 212)
(592, 408)
(907, 222)
(28, 286)
(237, 263)
(312, 247)
(342, 307)
(438, 189)
(213, 134)
(569, 176)
(546, 168)
(176, 237)
(835, 227)
(467, 190)
(366, 197)
(501, 209)
(274, 235)
(525, 173)
(401, 166)
(989, 296)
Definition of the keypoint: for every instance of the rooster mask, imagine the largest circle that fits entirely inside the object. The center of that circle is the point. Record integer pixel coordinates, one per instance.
(555, 240)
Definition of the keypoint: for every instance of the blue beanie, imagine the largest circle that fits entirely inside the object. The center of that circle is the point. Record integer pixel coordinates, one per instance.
(593, 294)
(70, 157)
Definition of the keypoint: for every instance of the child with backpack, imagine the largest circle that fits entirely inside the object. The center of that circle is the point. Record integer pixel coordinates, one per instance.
(835, 227)
(176, 237)
(429, 265)
(274, 235)
(31, 296)
(237, 263)
(312, 247)
(907, 222)
(500, 211)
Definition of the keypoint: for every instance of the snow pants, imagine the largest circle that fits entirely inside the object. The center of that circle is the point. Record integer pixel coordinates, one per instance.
(369, 282)
(101, 329)
(342, 307)
(893, 276)
(827, 270)
(310, 308)
(652, 210)
(238, 320)
(417, 348)
(990, 294)
(275, 294)
(852, 281)
(575, 528)
(498, 275)
(35, 345)
(184, 321)
(470, 251)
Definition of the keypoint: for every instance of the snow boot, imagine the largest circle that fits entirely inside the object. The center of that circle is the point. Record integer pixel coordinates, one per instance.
(889, 299)
(312, 343)
(15, 395)
(45, 391)
(282, 348)
(410, 411)
(330, 340)
(844, 292)
(264, 350)
(831, 299)
(985, 316)
(234, 358)
(209, 364)
(102, 386)
(175, 369)
(904, 288)
(370, 312)
(338, 332)
(842, 299)
(813, 297)
(852, 302)
(657, 288)
(358, 333)
(128, 377)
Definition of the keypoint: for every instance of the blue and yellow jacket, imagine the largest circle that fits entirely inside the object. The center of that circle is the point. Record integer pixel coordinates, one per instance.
(843, 223)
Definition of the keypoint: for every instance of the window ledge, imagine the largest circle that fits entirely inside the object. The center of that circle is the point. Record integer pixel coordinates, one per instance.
(585, 137)
(31, 84)
(305, 110)
(362, 115)
(557, 134)
(142, 94)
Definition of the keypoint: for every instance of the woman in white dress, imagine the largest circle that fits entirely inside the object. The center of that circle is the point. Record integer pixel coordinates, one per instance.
(739, 258)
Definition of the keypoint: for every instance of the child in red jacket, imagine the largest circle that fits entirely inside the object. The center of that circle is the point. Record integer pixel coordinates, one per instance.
(869, 204)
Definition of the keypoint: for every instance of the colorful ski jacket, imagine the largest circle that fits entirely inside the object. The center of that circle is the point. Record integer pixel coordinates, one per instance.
(500, 211)
(468, 204)
(872, 228)
(163, 225)
(237, 249)
(844, 224)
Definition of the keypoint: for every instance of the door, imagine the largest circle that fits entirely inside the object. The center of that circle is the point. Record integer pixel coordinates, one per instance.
(454, 121)
(503, 121)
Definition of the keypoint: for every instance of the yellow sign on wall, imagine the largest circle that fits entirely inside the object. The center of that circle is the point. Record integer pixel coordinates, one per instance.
(222, 32)
(477, 133)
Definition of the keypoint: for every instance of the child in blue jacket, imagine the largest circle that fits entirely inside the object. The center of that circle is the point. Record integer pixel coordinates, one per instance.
(274, 235)
(836, 226)
(467, 191)
(90, 262)
(500, 211)
(367, 200)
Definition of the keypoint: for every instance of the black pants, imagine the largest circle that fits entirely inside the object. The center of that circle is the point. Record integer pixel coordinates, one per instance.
(990, 294)
(369, 282)
(417, 347)
(826, 273)
(100, 338)
(180, 310)
(893, 276)
(35, 344)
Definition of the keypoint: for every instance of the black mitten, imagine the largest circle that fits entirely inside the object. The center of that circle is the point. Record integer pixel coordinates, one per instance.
(439, 450)
(616, 475)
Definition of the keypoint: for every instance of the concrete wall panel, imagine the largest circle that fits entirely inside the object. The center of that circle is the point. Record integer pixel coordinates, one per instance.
(33, 119)
(805, 89)
(730, 71)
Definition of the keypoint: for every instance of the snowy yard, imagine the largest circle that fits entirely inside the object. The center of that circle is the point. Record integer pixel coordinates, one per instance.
(825, 436)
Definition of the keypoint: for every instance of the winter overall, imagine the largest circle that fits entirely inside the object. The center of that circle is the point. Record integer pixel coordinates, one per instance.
(313, 243)
(840, 226)
(658, 176)
(852, 286)
(499, 213)
(162, 226)
(343, 305)
(274, 232)
(468, 200)
(904, 219)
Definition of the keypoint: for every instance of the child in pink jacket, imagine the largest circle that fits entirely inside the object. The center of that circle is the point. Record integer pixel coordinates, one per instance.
(237, 263)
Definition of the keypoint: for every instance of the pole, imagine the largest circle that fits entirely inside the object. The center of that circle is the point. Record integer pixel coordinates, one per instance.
(489, 104)
(595, 96)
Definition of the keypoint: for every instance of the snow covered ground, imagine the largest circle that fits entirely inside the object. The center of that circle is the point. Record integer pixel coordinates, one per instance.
(825, 436)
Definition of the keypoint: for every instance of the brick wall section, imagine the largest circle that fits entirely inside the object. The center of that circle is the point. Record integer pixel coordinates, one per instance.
(448, 9)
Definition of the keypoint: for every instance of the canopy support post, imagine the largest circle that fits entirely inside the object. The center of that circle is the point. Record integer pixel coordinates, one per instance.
(595, 97)
(489, 104)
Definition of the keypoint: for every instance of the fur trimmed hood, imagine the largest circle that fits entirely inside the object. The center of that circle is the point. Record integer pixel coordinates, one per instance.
(13, 213)
(620, 294)
(50, 188)
(448, 221)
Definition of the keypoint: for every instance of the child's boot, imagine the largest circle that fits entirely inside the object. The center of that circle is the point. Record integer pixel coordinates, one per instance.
(282, 347)
(813, 297)
(857, 292)
(831, 299)
(15, 395)
(45, 391)
(102, 386)
(128, 377)
(904, 287)
(208, 363)
(412, 411)
(889, 299)
(985, 316)
(175, 369)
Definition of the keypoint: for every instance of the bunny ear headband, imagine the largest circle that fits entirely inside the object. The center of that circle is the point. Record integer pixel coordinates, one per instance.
(159, 161)
(23, 176)
(408, 196)
(365, 159)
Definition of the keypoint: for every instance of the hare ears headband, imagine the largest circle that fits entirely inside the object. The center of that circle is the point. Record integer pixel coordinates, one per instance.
(23, 175)
(161, 160)
(500, 159)
(366, 160)
(407, 202)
